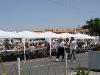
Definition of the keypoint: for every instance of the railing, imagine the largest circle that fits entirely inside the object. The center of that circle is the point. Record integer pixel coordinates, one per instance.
(44, 67)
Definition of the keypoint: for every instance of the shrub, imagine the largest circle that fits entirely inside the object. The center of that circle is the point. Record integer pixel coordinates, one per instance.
(79, 71)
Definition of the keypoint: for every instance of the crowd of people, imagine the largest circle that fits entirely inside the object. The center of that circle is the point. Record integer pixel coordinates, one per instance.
(66, 45)
(69, 45)
(17, 44)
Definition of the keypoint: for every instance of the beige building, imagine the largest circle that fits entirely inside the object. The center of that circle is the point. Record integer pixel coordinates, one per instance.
(56, 30)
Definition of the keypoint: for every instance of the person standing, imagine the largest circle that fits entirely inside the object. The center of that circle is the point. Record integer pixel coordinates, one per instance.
(67, 48)
(73, 46)
(6, 44)
(46, 48)
(60, 51)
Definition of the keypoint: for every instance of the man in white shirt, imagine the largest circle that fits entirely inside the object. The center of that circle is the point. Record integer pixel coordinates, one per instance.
(60, 49)
(73, 46)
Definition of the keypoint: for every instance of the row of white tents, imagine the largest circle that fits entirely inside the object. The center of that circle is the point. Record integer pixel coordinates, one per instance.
(49, 35)
(29, 34)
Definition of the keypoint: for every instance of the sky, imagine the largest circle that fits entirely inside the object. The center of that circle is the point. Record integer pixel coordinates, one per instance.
(19, 15)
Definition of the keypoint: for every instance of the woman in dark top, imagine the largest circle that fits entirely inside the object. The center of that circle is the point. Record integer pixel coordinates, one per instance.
(67, 48)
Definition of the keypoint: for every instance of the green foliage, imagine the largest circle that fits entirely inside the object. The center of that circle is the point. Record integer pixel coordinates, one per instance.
(22, 72)
(79, 71)
(94, 26)
(3, 69)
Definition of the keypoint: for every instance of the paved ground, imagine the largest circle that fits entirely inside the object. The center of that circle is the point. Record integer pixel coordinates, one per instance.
(44, 66)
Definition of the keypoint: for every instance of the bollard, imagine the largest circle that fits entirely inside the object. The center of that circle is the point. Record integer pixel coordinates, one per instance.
(66, 64)
(18, 60)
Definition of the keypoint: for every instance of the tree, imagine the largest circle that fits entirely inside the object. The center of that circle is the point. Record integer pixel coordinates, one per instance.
(94, 26)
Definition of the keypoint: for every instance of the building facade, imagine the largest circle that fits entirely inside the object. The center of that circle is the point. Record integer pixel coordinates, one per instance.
(56, 30)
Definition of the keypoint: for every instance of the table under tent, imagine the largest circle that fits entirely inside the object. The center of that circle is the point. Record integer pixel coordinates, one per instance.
(14, 52)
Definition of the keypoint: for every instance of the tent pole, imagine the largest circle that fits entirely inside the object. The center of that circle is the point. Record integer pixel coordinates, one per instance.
(3, 44)
(50, 47)
(24, 50)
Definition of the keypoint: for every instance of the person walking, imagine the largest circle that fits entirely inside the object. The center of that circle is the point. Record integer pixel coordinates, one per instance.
(73, 46)
(60, 51)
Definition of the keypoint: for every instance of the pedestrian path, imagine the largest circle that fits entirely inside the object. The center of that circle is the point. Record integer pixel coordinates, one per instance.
(94, 73)
(47, 66)
(90, 73)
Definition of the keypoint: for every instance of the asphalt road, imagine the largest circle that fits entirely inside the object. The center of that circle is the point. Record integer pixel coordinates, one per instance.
(43, 66)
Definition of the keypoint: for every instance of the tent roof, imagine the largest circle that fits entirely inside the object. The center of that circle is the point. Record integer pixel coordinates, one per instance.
(47, 35)
(26, 34)
(29, 34)
(82, 36)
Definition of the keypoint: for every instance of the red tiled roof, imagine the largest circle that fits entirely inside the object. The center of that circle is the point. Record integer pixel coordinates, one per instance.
(56, 30)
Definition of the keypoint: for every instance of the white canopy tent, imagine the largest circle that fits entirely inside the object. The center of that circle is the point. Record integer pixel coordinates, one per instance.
(27, 34)
(49, 35)
(82, 36)
(65, 35)
(24, 35)
(4, 34)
